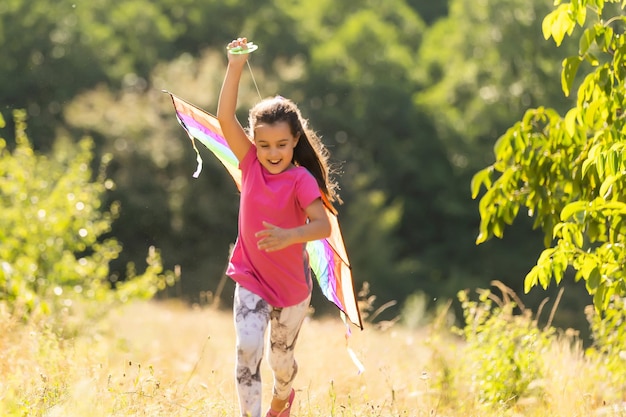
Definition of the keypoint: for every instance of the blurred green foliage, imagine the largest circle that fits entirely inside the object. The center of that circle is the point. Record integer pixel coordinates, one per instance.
(54, 248)
(409, 95)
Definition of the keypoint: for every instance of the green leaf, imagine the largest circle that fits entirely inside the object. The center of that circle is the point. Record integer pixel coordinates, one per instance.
(572, 208)
(599, 298)
(486, 205)
(544, 276)
(483, 234)
(577, 234)
(586, 40)
(503, 145)
(557, 231)
(571, 120)
(606, 187)
(581, 15)
(587, 163)
(589, 264)
(531, 279)
(593, 231)
(606, 39)
(570, 68)
(547, 24)
(613, 161)
(600, 165)
(559, 265)
(593, 280)
(589, 114)
(498, 228)
(545, 256)
(614, 205)
(615, 229)
(558, 23)
(481, 177)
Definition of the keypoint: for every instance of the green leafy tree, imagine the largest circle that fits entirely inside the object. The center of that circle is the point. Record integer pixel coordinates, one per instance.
(569, 172)
(358, 56)
(193, 221)
(356, 67)
(55, 50)
(482, 66)
(53, 245)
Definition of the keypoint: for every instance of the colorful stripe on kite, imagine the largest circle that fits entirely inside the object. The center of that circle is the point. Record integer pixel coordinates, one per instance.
(202, 126)
(327, 257)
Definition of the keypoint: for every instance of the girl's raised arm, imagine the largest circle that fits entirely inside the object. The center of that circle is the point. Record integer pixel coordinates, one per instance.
(233, 132)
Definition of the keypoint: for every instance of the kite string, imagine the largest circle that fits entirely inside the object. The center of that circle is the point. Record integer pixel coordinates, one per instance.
(254, 81)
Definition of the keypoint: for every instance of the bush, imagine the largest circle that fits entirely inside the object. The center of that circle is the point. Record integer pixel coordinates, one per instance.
(504, 351)
(53, 250)
(608, 333)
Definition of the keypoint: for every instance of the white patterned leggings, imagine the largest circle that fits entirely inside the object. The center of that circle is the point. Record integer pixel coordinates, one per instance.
(252, 316)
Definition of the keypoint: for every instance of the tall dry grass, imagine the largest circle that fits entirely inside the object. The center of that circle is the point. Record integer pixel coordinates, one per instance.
(165, 359)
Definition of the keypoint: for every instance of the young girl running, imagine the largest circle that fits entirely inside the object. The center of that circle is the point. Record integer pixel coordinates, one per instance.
(284, 167)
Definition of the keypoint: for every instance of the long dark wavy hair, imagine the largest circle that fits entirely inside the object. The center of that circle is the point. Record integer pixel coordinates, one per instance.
(310, 152)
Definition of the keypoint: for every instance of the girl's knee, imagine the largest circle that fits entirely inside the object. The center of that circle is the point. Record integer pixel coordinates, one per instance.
(250, 340)
(283, 366)
(249, 348)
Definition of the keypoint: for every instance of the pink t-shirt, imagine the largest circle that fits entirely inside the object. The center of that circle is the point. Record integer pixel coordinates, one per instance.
(282, 278)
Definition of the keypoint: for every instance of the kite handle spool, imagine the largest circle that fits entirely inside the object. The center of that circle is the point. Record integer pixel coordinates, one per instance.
(241, 50)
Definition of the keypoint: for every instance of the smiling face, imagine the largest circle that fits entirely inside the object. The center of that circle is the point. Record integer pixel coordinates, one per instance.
(274, 146)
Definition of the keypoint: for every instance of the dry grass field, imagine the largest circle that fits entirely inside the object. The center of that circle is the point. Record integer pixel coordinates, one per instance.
(166, 359)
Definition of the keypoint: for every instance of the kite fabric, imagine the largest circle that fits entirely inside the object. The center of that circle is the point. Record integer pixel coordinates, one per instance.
(327, 257)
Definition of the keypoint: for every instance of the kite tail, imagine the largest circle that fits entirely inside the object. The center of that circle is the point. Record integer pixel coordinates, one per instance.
(351, 353)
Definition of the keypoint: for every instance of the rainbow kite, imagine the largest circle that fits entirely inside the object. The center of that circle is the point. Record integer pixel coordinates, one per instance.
(327, 257)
